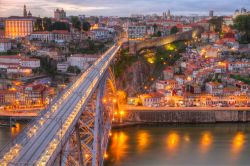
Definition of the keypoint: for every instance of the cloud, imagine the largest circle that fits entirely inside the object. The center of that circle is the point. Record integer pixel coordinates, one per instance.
(120, 7)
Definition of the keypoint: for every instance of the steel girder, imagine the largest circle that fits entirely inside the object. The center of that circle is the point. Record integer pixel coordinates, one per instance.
(88, 142)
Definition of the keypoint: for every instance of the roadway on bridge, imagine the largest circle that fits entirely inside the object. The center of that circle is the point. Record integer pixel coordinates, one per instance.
(43, 140)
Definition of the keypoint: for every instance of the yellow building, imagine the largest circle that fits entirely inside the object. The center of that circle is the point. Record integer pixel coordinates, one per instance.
(18, 27)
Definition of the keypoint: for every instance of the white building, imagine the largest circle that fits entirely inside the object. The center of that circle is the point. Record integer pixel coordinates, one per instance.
(80, 60)
(62, 67)
(5, 45)
(30, 63)
(42, 36)
(137, 32)
(20, 61)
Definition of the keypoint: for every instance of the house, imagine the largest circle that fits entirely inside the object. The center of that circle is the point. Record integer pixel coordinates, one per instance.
(152, 99)
(62, 67)
(214, 88)
(82, 61)
(45, 36)
(168, 73)
(61, 36)
(5, 45)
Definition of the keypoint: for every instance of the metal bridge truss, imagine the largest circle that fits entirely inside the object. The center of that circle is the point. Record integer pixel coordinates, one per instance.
(88, 142)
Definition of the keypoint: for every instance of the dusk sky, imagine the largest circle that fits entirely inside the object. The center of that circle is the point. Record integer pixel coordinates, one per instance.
(121, 7)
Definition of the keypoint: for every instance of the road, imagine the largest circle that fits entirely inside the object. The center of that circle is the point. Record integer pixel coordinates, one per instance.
(142, 108)
(42, 141)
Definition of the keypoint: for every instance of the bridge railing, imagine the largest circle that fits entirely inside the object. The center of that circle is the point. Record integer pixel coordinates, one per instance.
(22, 137)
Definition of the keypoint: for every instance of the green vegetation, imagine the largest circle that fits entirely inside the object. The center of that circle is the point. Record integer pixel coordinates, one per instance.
(48, 66)
(43, 24)
(245, 79)
(86, 26)
(242, 24)
(60, 26)
(89, 47)
(10, 52)
(75, 22)
(167, 56)
(174, 30)
(125, 60)
(74, 69)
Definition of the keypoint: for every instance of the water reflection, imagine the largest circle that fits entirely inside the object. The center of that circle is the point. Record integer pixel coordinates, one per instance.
(237, 144)
(119, 145)
(173, 140)
(196, 145)
(206, 141)
(15, 129)
(143, 140)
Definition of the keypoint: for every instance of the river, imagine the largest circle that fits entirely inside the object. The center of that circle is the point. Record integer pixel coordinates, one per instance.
(180, 145)
(172, 145)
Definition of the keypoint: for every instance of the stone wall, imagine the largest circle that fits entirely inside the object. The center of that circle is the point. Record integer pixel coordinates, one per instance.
(135, 47)
(189, 116)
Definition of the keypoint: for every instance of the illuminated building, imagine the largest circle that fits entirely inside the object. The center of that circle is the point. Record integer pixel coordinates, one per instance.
(59, 14)
(16, 27)
(137, 32)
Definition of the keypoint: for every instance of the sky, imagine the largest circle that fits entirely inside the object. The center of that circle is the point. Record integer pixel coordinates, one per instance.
(121, 7)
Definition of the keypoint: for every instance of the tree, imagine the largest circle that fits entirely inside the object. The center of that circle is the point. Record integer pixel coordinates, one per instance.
(174, 30)
(86, 26)
(47, 24)
(76, 22)
(60, 26)
(74, 69)
(38, 26)
(242, 24)
(155, 27)
(216, 24)
(158, 34)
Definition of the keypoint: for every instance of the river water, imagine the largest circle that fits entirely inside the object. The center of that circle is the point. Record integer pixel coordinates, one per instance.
(180, 145)
(172, 145)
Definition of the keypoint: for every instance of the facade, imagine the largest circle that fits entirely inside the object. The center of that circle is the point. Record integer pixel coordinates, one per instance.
(5, 45)
(45, 36)
(62, 67)
(137, 32)
(81, 61)
(59, 14)
(16, 27)
(152, 99)
(61, 35)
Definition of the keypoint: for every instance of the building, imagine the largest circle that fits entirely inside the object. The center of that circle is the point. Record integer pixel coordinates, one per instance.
(16, 27)
(81, 61)
(100, 34)
(45, 36)
(62, 67)
(7, 97)
(211, 13)
(152, 99)
(242, 11)
(59, 14)
(61, 36)
(137, 32)
(5, 45)
(214, 88)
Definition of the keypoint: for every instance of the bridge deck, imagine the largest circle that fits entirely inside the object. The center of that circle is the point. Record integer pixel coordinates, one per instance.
(46, 136)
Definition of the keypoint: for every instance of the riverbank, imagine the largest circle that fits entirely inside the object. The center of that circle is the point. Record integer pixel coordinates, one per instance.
(147, 115)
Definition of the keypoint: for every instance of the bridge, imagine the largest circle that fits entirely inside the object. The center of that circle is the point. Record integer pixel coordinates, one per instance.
(74, 130)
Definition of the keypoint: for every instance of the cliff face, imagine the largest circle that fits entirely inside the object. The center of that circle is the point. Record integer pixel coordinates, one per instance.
(133, 78)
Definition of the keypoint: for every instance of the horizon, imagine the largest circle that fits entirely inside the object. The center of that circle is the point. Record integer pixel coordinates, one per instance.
(120, 8)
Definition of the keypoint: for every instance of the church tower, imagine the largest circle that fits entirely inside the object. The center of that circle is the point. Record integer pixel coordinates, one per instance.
(25, 11)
